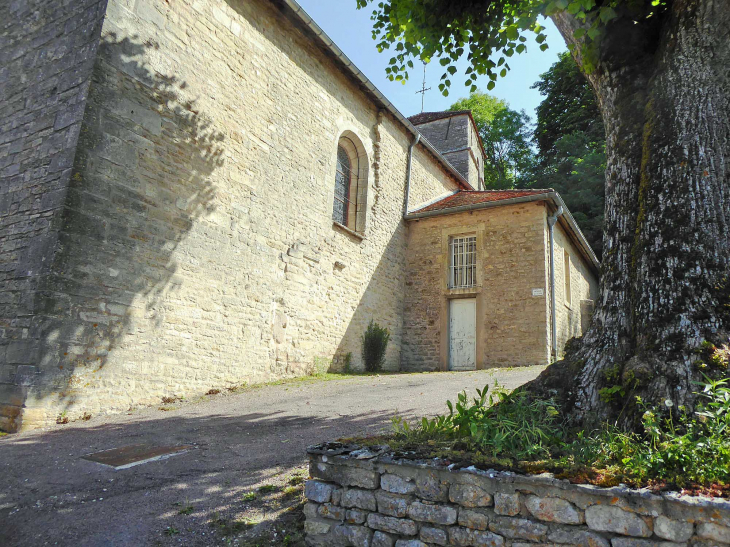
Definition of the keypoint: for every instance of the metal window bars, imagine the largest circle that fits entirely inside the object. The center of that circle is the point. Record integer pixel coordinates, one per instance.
(463, 263)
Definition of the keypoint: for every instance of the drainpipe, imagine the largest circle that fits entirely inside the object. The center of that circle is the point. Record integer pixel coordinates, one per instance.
(408, 170)
(554, 341)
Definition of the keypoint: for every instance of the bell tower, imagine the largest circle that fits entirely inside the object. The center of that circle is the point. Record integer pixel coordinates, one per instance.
(454, 134)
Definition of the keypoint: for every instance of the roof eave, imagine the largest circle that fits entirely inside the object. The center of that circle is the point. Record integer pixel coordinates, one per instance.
(553, 197)
(370, 88)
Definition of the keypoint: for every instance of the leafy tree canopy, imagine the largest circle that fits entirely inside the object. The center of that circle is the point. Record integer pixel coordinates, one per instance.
(448, 29)
(570, 140)
(569, 105)
(506, 137)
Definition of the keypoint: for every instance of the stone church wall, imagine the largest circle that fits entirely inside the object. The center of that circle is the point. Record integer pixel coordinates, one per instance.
(46, 57)
(511, 323)
(198, 249)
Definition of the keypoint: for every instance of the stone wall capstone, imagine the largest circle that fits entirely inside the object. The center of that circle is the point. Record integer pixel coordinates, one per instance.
(430, 503)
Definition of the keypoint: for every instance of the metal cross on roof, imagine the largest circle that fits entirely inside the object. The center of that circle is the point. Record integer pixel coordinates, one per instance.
(423, 89)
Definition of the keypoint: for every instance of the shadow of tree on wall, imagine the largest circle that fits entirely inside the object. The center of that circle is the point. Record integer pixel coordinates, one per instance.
(140, 183)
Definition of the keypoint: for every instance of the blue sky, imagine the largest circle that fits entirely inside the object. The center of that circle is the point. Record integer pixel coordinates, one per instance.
(351, 30)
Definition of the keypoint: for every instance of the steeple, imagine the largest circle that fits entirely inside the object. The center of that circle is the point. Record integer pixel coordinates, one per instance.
(454, 134)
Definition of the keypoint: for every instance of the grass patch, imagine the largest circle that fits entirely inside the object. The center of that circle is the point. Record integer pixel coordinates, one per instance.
(268, 488)
(231, 527)
(249, 496)
(186, 509)
(514, 431)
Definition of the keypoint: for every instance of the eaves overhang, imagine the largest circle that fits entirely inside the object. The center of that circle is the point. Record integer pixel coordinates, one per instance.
(302, 19)
(553, 198)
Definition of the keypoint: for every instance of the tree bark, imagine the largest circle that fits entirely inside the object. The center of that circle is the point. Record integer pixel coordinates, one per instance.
(663, 87)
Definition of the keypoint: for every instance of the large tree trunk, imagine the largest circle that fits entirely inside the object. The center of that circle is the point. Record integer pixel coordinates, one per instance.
(663, 87)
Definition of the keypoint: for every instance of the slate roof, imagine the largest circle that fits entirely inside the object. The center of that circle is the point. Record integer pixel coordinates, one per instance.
(463, 198)
(425, 117)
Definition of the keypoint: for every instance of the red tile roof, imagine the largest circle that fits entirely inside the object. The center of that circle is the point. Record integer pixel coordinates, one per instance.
(466, 197)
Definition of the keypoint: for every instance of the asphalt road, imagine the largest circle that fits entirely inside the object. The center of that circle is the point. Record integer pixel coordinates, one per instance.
(50, 496)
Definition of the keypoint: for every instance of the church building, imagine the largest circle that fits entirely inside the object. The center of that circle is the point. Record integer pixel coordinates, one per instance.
(199, 194)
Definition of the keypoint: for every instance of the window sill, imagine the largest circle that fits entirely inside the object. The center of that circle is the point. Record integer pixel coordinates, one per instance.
(347, 230)
(466, 291)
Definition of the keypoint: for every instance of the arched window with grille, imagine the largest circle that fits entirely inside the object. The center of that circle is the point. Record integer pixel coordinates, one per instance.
(350, 196)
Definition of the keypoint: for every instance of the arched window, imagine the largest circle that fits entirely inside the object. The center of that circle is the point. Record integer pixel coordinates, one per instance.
(350, 200)
(343, 176)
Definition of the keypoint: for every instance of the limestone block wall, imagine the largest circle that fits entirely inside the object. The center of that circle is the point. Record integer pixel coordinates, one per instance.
(197, 248)
(512, 324)
(368, 498)
(583, 286)
(47, 51)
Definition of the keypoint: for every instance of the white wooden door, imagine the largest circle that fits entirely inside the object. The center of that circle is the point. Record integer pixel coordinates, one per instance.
(463, 334)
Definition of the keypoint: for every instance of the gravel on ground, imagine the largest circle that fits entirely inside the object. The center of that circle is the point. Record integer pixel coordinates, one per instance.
(211, 494)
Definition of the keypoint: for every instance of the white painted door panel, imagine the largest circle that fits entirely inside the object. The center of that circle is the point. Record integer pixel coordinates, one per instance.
(462, 334)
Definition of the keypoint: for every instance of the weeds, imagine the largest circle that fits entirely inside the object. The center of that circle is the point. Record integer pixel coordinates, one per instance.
(517, 427)
(186, 509)
(268, 488)
(676, 446)
(249, 496)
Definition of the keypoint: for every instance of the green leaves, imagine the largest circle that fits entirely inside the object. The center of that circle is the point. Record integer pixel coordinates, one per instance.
(488, 33)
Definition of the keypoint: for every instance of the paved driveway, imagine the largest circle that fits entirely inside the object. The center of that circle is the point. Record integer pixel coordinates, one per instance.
(50, 496)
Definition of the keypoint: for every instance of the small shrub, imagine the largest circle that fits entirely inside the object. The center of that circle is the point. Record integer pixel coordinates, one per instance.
(348, 363)
(374, 343)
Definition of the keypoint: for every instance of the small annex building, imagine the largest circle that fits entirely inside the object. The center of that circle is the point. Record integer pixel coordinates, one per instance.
(204, 193)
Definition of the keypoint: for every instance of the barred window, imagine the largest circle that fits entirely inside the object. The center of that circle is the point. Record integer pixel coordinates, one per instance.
(343, 178)
(463, 262)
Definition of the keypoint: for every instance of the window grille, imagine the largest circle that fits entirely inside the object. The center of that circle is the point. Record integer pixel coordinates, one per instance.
(343, 177)
(463, 264)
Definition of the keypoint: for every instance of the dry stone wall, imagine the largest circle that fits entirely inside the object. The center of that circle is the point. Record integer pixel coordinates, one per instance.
(364, 497)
